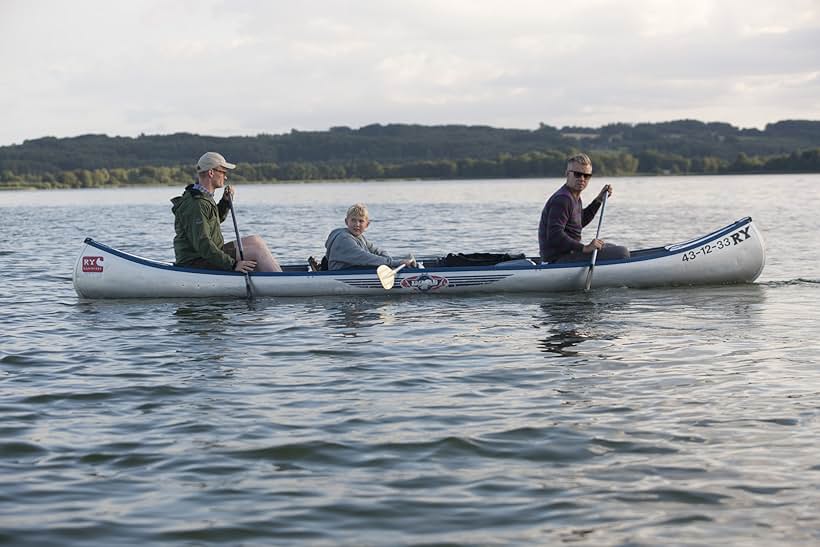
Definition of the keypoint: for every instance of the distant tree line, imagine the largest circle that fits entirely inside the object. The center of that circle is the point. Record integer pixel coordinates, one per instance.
(412, 151)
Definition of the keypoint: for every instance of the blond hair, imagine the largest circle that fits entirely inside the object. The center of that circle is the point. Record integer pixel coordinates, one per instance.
(357, 210)
(580, 159)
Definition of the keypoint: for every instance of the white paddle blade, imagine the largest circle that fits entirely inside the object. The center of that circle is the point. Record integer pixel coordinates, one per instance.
(387, 276)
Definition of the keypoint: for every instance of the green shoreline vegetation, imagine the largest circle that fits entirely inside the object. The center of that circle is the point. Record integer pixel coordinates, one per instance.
(412, 152)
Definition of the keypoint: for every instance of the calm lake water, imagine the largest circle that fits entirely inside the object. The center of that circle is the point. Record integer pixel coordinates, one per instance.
(687, 416)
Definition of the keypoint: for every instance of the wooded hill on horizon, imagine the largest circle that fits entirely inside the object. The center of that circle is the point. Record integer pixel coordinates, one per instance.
(417, 151)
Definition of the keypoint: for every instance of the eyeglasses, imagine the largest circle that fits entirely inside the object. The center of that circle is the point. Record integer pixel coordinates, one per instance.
(224, 173)
(579, 175)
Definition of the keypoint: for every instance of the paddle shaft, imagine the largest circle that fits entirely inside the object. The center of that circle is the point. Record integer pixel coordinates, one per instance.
(248, 289)
(595, 251)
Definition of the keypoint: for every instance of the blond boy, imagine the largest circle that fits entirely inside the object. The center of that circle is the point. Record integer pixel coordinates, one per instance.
(347, 248)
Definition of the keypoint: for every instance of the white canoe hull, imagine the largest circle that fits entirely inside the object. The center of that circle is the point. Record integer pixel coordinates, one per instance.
(733, 254)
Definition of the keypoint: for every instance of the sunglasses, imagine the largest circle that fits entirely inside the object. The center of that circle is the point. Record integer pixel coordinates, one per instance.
(579, 175)
(222, 171)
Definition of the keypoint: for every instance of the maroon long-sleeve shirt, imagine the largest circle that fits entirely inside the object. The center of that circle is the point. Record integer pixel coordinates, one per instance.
(563, 217)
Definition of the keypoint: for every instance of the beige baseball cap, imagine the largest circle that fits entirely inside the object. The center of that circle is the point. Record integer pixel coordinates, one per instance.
(212, 160)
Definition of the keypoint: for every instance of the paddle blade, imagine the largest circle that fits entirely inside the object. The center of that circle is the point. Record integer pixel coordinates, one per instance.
(386, 276)
(588, 284)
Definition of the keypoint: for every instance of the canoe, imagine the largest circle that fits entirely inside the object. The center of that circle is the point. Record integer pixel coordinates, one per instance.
(733, 254)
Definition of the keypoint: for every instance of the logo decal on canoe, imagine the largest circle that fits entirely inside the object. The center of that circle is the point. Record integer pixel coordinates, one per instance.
(424, 282)
(92, 264)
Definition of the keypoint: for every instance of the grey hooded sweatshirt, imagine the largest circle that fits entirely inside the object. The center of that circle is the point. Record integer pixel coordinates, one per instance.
(344, 250)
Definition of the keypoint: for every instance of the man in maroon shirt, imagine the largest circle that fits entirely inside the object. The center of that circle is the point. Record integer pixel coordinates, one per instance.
(563, 216)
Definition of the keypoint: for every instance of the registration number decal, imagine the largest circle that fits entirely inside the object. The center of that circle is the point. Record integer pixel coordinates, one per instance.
(718, 245)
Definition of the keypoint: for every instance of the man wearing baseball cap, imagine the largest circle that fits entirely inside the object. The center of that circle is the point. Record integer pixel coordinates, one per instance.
(198, 242)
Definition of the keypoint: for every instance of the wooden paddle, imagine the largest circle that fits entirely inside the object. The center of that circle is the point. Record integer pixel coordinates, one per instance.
(248, 290)
(595, 252)
(388, 276)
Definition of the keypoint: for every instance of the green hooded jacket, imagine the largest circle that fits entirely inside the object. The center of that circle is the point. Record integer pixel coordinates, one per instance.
(198, 235)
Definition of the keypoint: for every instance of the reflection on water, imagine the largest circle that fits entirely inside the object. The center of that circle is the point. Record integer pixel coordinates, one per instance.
(605, 315)
(201, 320)
(571, 321)
(561, 342)
(350, 317)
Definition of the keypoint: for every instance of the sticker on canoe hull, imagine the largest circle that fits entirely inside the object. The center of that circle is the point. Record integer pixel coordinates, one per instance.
(424, 282)
(92, 264)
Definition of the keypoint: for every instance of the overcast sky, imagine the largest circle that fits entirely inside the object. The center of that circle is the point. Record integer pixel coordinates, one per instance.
(244, 67)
